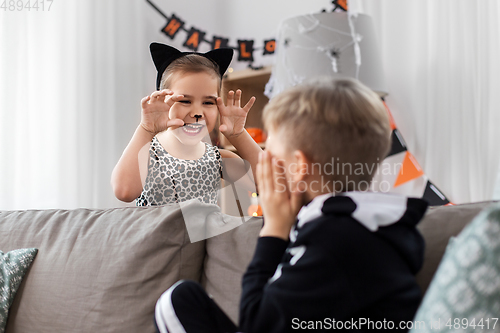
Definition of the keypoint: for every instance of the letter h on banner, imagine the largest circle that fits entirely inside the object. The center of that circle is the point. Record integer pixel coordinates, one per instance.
(173, 26)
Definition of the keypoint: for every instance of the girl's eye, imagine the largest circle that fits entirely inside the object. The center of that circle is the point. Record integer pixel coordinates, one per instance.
(209, 103)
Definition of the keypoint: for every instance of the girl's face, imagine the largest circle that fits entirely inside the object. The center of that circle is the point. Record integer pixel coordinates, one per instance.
(198, 108)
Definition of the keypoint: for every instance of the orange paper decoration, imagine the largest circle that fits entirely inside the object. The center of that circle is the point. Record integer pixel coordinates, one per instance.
(409, 170)
(254, 210)
(257, 134)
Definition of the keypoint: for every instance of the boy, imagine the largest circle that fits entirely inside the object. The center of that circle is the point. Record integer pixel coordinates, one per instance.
(330, 254)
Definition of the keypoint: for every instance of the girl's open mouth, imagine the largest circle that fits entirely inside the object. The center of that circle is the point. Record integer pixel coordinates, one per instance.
(192, 129)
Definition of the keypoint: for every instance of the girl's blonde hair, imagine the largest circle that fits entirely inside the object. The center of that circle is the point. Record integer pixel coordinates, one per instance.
(190, 63)
(339, 124)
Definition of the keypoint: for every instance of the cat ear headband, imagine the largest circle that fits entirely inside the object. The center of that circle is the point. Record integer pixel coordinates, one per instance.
(163, 55)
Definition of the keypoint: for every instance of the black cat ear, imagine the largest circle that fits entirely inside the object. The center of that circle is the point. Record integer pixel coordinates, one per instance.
(221, 57)
(163, 55)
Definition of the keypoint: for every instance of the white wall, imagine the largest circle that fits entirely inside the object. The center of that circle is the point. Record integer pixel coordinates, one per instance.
(110, 42)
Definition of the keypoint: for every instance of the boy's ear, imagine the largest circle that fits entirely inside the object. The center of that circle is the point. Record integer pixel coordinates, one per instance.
(303, 165)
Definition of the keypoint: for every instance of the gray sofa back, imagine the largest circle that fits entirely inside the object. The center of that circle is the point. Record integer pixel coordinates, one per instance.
(437, 227)
(103, 270)
(97, 270)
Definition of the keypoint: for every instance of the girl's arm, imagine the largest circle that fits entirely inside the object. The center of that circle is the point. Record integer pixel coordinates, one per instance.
(236, 169)
(126, 177)
(233, 118)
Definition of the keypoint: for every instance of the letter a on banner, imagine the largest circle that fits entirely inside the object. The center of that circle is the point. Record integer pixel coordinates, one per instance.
(194, 38)
(173, 26)
(245, 50)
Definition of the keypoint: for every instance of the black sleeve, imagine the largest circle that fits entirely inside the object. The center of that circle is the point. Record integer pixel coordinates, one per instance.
(267, 256)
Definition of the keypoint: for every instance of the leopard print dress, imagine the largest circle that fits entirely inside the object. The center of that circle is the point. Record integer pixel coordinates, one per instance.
(173, 180)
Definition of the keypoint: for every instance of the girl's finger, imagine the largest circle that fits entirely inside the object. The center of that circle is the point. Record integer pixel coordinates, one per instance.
(175, 123)
(230, 98)
(223, 128)
(144, 101)
(171, 100)
(161, 97)
(155, 95)
(220, 104)
(237, 98)
(249, 105)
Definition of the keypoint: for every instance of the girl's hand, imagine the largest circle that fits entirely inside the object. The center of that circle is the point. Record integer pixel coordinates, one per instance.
(280, 206)
(155, 109)
(233, 116)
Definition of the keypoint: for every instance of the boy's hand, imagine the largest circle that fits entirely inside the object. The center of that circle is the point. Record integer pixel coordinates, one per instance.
(279, 205)
(155, 109)
(233, 116)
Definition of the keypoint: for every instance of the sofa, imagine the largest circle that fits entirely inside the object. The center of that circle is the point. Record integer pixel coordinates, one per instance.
(102, 270)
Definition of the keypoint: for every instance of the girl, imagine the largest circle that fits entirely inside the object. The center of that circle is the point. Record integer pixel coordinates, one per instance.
(178, 165)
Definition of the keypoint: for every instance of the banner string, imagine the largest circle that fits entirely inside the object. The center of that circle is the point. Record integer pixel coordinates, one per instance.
(245, 48)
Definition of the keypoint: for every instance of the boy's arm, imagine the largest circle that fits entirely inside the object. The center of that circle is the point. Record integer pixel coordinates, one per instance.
(279, 210)
(268, 254)
(283, 287)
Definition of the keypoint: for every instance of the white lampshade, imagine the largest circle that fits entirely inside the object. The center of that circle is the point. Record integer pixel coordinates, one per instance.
(335, 44)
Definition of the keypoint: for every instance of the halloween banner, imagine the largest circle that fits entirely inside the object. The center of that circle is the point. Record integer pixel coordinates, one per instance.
(245, 48)
(401, 173)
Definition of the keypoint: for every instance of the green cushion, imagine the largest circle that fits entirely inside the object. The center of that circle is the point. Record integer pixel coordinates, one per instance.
(13, 267)
(464, 295)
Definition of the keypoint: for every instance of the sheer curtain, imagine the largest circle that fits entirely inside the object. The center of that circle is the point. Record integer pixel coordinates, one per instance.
(70, 82)
(441, 60)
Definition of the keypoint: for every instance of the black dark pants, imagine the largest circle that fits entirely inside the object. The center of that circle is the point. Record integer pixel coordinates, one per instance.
(186, 307)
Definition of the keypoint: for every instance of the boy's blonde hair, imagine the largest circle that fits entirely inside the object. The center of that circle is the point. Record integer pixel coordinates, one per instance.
(341, 125)
(190, 63)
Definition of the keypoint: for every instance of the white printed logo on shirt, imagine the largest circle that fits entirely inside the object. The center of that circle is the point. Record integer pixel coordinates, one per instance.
(296, 253)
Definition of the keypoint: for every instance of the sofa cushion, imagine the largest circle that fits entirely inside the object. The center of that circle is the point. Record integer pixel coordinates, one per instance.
(437, 227)
(97, 270)
(465, 291)
(13, 267)
(227, 258)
